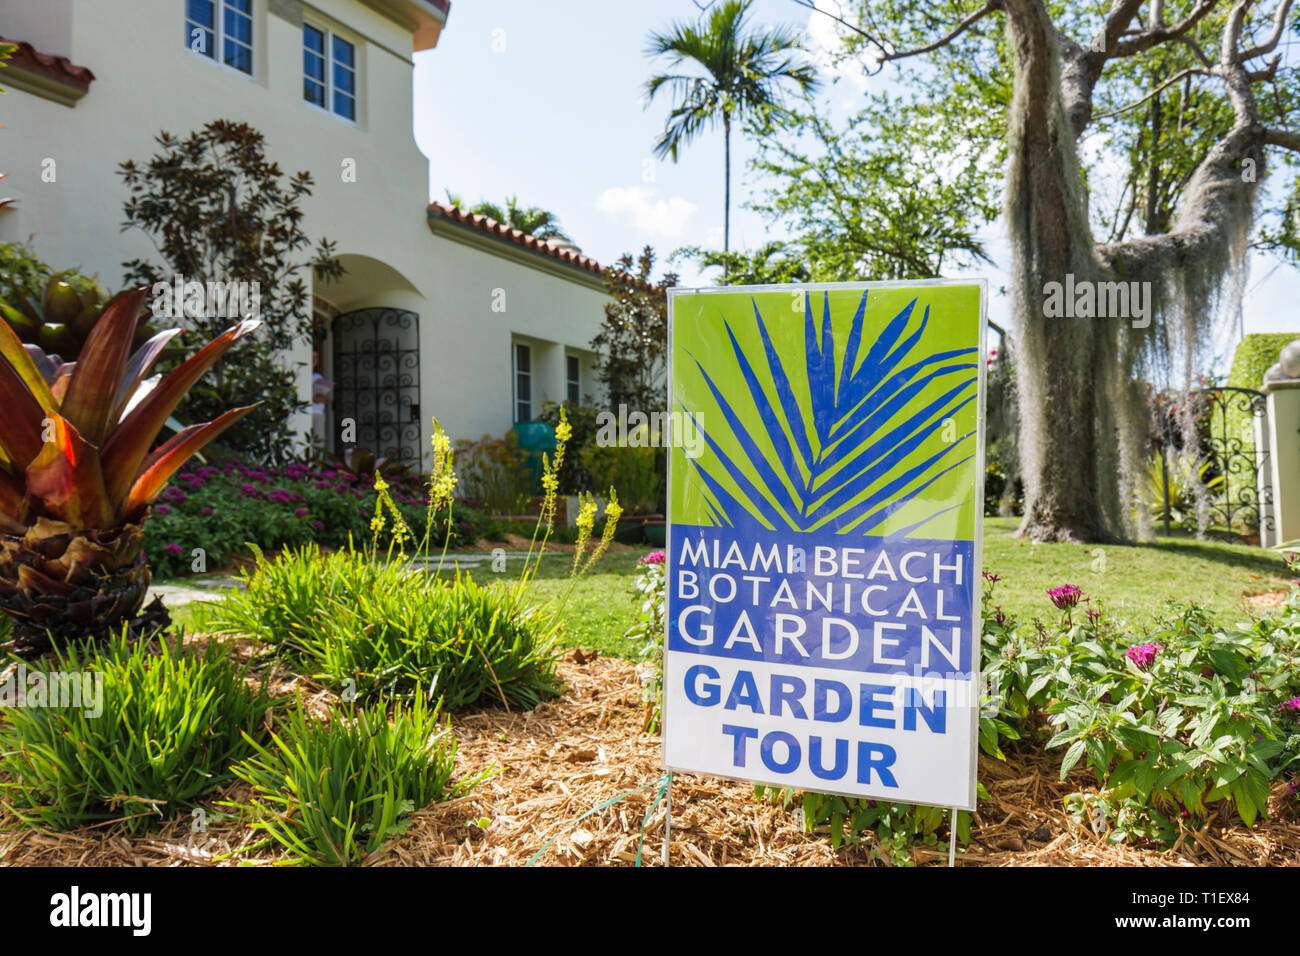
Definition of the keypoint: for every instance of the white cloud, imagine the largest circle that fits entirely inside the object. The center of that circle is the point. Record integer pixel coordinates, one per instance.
(660, 217)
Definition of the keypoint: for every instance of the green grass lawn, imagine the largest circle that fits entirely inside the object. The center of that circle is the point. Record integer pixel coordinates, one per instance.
(1132, 581)
(1141, 578)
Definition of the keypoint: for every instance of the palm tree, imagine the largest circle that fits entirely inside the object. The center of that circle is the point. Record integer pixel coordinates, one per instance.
(533, 220)
(737, 72)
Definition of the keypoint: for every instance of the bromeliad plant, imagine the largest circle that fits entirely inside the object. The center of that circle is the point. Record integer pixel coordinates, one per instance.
(77, 475)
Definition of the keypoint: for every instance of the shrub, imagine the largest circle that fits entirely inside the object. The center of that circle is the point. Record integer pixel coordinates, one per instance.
(495, 472)
(394, 631)
(648, 589)
(333, 793)
(629, 468)
(573, 475)
(222, 510)
(170, 725)
(1170, 720)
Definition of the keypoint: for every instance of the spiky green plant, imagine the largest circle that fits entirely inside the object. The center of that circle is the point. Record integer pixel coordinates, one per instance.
(334, 793)
(154, 732)
(77, 474)
(393, 631)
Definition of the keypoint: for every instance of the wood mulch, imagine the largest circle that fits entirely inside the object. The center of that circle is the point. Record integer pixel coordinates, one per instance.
(554, 764)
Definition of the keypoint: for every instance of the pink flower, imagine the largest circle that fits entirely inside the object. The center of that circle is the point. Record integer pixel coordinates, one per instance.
(300, 512)
(1065, 597)
(654, 557)
(206, 510)
(162, 510)
(1291, 706)
(174, 549)
(1143, 654)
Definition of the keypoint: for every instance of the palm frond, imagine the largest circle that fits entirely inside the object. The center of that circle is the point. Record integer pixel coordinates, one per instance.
(848, 442)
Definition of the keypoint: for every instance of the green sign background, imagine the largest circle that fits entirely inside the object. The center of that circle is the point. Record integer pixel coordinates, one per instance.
(887, 445)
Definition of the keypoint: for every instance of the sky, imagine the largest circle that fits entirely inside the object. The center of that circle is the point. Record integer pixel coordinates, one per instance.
(545, 101)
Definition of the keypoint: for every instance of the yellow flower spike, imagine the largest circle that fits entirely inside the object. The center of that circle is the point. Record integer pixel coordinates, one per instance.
(613, 511)
(586, 521)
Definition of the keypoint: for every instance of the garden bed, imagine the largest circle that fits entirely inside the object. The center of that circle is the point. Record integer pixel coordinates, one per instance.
(586, 747)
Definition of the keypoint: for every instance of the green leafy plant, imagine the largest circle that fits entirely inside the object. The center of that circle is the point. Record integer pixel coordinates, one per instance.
(1171, 720)
(169, 725)
(494, 471)
(648, 588)
(218, 210)
(393, 631)
(333, 793)
(631, 469)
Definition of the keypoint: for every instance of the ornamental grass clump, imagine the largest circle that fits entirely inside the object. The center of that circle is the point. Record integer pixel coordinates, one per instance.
(155, 731)
(333, 793)
(386, 629)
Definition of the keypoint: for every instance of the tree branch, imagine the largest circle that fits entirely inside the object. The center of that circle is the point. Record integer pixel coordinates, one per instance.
(884, 46)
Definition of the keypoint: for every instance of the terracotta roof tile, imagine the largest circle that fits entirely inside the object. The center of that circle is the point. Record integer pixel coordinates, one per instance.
(518, 236)
(58, 68)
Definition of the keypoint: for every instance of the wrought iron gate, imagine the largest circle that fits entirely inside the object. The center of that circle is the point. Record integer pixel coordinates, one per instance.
(377, 379)
(1232, 461)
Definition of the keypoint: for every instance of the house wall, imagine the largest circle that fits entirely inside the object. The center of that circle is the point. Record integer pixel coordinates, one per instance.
(147, 80)
(482, 303)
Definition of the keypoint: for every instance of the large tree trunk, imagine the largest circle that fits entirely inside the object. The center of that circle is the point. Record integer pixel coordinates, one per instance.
(1058, 361)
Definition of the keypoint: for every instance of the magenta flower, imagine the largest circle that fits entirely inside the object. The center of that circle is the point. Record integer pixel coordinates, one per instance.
(1291, 706)
(300, 512)
(318, 525)
(991, 578)
(1065, 597)
(162, 510)
(1143, 655)
(206, 510)
(174, 549)
(654, 557)
(999, 617)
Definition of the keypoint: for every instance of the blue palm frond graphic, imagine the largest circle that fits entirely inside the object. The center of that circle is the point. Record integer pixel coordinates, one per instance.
(853, 452)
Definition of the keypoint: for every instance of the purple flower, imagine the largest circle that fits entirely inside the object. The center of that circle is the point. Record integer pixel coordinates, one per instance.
(176, 495)
(206, 511)
(1065, 597)
(1143, 654)
(300, 512)
(991, 578)
(654, 557)
(174, 549)
(1093, 616)
(999, 617)
(162, 510)
(318, 525)
(1291, 706)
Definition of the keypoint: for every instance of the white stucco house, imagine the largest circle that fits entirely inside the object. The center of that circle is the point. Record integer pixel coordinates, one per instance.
(441, 313)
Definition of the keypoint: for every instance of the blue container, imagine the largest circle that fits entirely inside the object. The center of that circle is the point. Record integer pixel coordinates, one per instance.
(535, 439)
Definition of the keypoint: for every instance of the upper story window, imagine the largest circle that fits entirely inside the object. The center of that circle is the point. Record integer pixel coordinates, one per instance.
(329, 68)
(221, 30)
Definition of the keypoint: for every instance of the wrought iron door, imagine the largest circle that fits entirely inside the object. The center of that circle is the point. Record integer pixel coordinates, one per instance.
(377, 379)
(1231, 463)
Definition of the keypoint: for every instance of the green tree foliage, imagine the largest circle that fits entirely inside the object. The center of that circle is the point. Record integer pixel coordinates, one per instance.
(725, 72)
(633, 340)
(857, 202)
(219, 210)
(530, 219)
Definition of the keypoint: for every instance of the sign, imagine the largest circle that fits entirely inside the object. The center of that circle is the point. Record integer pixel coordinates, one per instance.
(823, 551)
